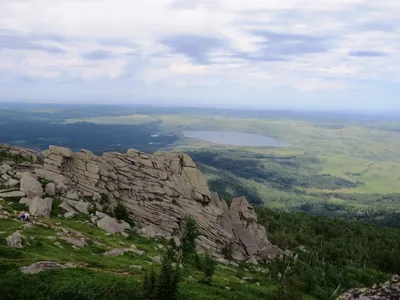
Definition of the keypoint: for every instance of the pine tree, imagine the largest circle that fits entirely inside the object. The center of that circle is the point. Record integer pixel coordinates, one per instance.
(167, 288)
(188, 239)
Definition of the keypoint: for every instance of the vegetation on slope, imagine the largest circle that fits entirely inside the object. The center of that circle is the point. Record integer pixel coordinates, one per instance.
(328, 257)
(333, 254)
(293, 183)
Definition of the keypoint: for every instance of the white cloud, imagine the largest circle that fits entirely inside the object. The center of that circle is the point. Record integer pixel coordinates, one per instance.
(132, 30)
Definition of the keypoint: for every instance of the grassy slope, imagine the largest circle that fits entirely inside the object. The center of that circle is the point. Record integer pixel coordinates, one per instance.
(337, 253)
(41, 244)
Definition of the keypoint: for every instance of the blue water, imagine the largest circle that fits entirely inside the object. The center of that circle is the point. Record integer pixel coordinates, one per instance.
(235, 138)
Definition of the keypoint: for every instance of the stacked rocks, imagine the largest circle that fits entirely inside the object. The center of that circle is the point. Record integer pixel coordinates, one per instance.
(159, 191)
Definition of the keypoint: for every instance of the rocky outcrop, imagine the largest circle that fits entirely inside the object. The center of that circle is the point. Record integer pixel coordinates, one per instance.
(387, 291)
(40, 266)
(26, 154)
(159, 191)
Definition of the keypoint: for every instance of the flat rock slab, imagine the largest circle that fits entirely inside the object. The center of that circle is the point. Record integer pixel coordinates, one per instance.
(44, 266)
(12, 194)
(75, 242)
(120, 251)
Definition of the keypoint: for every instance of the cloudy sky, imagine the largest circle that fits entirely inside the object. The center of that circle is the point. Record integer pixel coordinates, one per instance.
(300, 54)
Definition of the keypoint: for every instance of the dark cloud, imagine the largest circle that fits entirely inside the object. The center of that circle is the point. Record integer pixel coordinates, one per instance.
(12, 41)
(367, 53)
(275, 47)
(287, 44)
(98, 55)
(195, 47)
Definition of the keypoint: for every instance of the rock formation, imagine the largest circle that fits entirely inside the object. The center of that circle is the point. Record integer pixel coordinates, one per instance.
(159, 192)
(26, 154)
(387, 291)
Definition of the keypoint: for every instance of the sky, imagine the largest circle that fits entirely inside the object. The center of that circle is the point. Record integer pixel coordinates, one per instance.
(281, 54)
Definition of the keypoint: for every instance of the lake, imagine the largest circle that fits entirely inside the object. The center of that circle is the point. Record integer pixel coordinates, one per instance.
(234, 138)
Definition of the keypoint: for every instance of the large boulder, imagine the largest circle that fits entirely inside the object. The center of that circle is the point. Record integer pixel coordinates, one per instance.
(75, 242)
(80, 206)
(73, 195)
(49, 175)
(41, 207)
(50, 189)
(111, 225)
(65, 206)
(31, 186)
(61, 150)
(15, 240)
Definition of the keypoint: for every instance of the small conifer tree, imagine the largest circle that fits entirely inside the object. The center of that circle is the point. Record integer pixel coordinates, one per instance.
(188, 239)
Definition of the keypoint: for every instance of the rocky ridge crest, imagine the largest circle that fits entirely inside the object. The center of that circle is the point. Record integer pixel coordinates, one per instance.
(158, 190)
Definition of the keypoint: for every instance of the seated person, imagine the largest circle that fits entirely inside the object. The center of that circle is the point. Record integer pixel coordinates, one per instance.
(21, 216)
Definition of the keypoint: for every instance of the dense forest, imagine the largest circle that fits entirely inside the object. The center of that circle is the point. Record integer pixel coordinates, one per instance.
(278, 172)
(333, 253)
(285, 182)
(38, 135)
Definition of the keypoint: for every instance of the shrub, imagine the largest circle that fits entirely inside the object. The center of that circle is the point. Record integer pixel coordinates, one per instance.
(149, 285)
(227, 251)
(162, 286)
(209, 265)
(167, 287)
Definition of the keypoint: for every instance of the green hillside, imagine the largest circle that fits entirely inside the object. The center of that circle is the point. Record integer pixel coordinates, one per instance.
(326, 255)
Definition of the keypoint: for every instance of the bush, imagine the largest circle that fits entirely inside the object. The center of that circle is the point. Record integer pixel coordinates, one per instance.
(227, 251)
(121, 213)
(149, 285)
(162, 286)
(209, 265)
